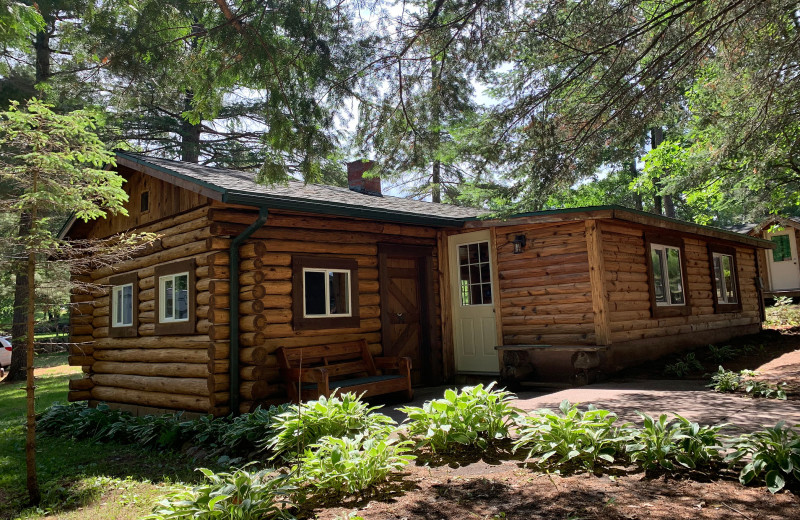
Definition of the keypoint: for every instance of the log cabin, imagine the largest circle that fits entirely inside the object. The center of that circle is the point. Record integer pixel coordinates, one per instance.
(241, 269)
(781, 265)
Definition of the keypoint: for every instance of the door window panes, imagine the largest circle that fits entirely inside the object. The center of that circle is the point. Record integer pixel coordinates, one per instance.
(475, 271)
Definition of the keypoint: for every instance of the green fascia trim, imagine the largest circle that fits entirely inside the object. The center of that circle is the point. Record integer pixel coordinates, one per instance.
(187, 178)
(737, 237)
(345, 210)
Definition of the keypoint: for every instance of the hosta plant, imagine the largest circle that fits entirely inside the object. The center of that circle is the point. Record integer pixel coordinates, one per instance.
(344, 415)
(664, 443)
(722, 353)
(571, 436)
(347, 466)
(241, 495)
(474, 416)
(772, 452)
(763, 389)
(725, 380)
(683, 367)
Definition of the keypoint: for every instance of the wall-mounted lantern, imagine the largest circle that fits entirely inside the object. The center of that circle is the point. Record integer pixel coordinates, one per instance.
(519, 243)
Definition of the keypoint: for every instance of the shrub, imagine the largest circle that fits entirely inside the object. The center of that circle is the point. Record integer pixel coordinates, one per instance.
(240, 495)
(573, 435)
(302, 425)
(684, 367)
(725, 381)
(756, 388)
(241, 434)
(345, 465)
(723, 353)
(662, 443)
(774, 452)
(475, 416)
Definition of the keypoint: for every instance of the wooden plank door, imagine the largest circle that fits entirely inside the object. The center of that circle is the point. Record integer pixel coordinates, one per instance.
(406, 307)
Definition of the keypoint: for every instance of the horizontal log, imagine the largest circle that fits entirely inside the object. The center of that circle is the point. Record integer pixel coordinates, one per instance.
(82, 330)
(189, 342)
(549, 339)
(254, 355)
(203, 298)
(218, 366)
(84, 383)
(80, 361)
(219, 332)
(277, 288)
(179, 370)
(285, 330)
(219, 350)
(156, 399)
(154, 355)
(254, 390)
(250, 339)
(549, 328)
(278, 301)
(259, 373)
(253, 249)
(82, 341)
(277, 259)
(183, 251)
(74, 396)
(166, 385)
(272, 344)
(99, 321)
(147, 283)
(149, 305)
(179, 239)
(218, 383)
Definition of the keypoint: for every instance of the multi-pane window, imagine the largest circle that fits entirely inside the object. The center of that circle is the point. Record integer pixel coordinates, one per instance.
(724, 278)
(783, 249)
(326, 293)
(667, 275)
(122, 306)
(174, 297)
(475, 274)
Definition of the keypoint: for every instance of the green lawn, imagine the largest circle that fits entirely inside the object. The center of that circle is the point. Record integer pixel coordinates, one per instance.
(82, 479)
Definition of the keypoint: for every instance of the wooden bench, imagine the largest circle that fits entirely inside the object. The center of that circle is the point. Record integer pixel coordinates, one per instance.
(311, 372)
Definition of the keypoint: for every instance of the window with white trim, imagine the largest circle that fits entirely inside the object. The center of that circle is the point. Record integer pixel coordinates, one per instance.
(725, 278)
(475, 275)
(122, 305)
(667, 271)
(326, 293)
(173, 298)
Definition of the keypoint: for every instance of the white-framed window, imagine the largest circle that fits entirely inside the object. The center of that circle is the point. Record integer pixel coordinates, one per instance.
(326, 293)
(122, 296)
(725, 278)
(668, 285)
(475, 274)
(173, 291)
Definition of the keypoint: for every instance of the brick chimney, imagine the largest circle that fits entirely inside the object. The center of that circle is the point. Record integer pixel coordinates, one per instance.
(357, 182)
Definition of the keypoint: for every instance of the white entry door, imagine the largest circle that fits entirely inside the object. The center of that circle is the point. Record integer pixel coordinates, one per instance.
(783, 267)
(473, 296)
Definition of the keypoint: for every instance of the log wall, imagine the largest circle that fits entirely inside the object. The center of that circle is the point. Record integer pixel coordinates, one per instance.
(545, 291)
(283, 236)
(635, 335)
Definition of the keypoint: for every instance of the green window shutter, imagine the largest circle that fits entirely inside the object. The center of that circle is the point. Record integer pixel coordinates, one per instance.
(783, 251)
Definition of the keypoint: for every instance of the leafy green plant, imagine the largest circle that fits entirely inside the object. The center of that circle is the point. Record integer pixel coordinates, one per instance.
(773, 452)
(722, 353)
(345, 415)
(346, 466)
(583, 437)
(474, 416)
(763, 389)
(725, 380)
(240, 495)
(663, 443)
(683, 367)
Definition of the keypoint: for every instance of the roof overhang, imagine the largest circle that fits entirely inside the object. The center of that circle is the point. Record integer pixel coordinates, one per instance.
(624, 214)
(773, 221)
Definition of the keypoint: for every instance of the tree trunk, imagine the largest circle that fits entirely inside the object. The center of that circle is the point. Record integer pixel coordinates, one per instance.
(436, 179)
(16, 372)
(656, 137)
(30, 439)
(669, 206)
(190, 134)
(637, 197)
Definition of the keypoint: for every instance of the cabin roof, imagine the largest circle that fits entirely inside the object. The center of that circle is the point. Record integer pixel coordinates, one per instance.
(238, 187)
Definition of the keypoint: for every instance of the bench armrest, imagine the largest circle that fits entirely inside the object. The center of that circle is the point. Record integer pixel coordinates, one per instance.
(306, 375)
(393, 363)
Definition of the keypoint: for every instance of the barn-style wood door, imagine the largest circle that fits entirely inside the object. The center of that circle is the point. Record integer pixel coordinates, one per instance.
(407, 306)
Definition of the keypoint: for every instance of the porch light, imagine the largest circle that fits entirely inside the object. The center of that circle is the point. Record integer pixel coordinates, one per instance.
(519, 243)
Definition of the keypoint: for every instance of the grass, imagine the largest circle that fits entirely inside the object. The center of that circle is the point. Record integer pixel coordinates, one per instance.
(78, 478)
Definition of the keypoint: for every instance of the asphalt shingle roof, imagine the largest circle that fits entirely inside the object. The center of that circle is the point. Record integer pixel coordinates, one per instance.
(235, 181)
